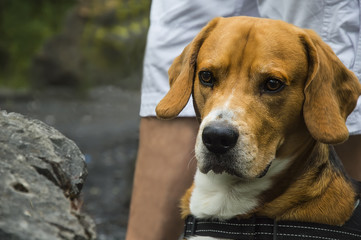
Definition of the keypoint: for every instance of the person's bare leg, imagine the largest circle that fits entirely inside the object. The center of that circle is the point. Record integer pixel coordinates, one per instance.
(164, 170)
(350, 154)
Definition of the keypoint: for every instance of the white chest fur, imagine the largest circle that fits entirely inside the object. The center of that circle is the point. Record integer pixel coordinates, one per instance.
(223, 196)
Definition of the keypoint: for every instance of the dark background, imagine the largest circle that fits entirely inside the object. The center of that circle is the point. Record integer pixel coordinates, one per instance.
(77, 66)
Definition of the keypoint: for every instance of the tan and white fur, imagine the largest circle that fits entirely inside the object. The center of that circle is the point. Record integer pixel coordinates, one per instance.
(281, 96)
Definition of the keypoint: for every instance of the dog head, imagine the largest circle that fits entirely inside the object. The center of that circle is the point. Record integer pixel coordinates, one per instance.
(262, 90)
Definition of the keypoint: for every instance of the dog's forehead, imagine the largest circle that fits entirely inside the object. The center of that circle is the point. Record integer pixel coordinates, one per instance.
(233, 38)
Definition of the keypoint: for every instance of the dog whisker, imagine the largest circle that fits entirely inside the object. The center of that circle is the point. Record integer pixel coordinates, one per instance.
(192, 160)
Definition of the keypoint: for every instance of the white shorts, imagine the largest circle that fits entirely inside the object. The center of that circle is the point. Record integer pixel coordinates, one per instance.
(175, 23)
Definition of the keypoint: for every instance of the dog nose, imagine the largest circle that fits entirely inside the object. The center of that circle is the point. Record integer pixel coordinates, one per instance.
(220, 137)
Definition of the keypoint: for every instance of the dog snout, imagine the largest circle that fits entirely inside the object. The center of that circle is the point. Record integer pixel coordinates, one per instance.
(219, 137)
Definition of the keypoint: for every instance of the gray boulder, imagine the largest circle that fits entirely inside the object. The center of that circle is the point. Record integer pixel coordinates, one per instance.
(41, 176)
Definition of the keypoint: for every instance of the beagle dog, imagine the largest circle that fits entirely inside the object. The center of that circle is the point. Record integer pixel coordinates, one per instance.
(271, 98)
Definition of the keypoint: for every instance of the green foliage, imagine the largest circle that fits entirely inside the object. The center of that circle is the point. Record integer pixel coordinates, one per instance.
(101, 41)
(116, 46)
(24, 26)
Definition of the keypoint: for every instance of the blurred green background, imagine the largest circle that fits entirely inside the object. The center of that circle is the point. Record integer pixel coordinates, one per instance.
(71, 43)
(76, 65)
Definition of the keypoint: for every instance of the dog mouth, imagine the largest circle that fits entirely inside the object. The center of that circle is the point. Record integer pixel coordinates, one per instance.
(265, 171)
(222, 148)
(219, 168)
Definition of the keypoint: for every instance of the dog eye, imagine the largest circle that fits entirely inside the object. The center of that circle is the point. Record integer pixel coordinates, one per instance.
(206, 78)
(273, 85)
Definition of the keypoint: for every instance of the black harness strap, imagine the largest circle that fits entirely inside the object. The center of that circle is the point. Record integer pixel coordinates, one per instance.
(258, 228)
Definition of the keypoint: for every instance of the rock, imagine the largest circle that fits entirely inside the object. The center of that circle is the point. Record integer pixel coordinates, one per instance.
(41, 176)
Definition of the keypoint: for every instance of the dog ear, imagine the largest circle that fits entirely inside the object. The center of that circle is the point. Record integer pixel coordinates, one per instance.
(331, 92)
(181, 76)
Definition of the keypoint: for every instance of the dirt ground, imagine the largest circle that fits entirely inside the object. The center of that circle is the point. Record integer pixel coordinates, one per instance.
(104, 124)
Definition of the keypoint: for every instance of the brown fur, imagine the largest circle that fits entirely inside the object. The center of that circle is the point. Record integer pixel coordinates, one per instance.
(184, 204)
(328, 102)
(320, 194)
(181, 77)
(296, 123)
